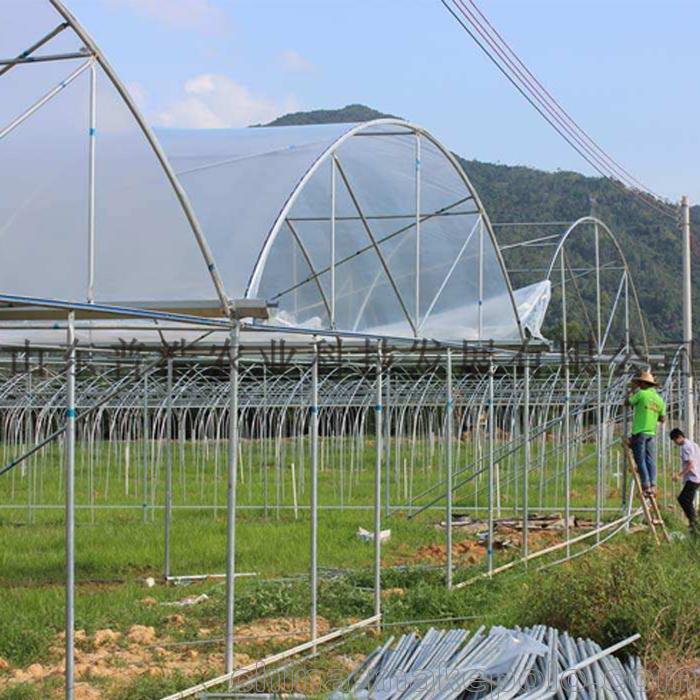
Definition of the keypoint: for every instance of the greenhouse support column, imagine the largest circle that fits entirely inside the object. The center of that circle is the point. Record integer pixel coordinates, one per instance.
(378, 488)
(567, 407)
(144, 430)
(687, 323)
(168, 465)
(480, 303)
(599, 447)
(599, 394)
(314, 497)
(526, 460)
(418, 271)
(333, 205)
(387, 446)
(91, 184)
(489, 550)
(626, 407)
(30, 471)
(70, 507)
(448, 438)
(234, 337)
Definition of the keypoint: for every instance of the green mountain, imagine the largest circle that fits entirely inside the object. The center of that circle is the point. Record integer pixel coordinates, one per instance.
(349, 113)
(650, 240)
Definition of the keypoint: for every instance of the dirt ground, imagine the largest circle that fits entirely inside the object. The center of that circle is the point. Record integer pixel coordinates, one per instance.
(470, 550)
(111, 659)
(108, 659)
(671, 678)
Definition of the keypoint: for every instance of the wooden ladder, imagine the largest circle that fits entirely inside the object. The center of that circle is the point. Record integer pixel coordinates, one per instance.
(650, 505)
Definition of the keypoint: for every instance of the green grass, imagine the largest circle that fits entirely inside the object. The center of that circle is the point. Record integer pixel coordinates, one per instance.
(629, 586)
(639, 587)
(111, 475)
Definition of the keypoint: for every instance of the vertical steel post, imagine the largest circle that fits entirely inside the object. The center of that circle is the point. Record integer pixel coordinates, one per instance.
(144, 430)
(626, 408)
(234, 338)
(417, 300)
(448, 438)
(91, 183)
(31, 464)
(627, 315)
(314, 497)
(387, 446)
(489, 550)
(687, 322)
(168, 466)
(70, 506)
(567, 407)
(333, 204)
(599, 393)
(378, 487)
(480, 306)
(526, 461)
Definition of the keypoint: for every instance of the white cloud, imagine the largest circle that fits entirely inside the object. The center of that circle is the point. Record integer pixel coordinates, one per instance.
(214, 101)
(294, 62)
(198, 15)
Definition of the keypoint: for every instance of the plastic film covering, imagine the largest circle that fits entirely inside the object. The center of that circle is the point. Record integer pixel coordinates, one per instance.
(144, 247)
(368, 228)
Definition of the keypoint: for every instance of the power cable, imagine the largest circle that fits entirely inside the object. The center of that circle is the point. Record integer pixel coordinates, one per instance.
(551, 111)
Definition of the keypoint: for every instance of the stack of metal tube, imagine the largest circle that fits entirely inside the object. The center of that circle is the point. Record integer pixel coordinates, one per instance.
(534, 663)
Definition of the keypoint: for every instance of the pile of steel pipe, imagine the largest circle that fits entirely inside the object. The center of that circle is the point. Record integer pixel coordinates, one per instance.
(534, 663)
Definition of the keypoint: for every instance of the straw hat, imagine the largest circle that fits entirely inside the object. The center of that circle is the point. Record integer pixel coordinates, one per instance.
(645, 377)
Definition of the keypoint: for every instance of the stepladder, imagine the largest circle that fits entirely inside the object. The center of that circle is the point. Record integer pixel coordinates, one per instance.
(650, 506)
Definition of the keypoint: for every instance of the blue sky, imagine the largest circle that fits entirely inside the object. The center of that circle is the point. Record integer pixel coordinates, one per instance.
(627, 70)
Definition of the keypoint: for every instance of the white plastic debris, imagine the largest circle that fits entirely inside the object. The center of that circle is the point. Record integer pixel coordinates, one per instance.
(150, 582)
(367, 536)
(190, 600)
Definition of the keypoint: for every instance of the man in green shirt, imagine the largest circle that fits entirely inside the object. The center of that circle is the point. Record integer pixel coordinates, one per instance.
(649, 410)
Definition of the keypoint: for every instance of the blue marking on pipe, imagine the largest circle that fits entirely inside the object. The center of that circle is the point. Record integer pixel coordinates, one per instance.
(211, 267)
(92, 131)
(71, 413)
(377, 408)
(313, 409)
(480, 302)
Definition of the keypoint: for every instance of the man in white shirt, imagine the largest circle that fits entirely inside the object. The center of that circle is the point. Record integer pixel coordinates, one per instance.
(689, 475)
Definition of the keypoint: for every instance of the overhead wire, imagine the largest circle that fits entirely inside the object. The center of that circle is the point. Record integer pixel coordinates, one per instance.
(550, 110)
(583, 134)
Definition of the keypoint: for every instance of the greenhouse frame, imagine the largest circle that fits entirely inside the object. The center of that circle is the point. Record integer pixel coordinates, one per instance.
(293, 297)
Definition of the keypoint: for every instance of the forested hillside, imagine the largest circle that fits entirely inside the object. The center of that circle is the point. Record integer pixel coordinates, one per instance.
(650, 241)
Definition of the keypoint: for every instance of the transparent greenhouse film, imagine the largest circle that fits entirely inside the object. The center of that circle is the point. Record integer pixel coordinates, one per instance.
(44, 184)
(290, 283)
(25, 27)
(443, 189)
(451, 290)
(393, 275)
(405, 240)
(532, 303)
(239, 181)
(145, 247)
(499, 315)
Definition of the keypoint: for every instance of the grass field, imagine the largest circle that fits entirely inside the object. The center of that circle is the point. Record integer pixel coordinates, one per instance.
(116, 550)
